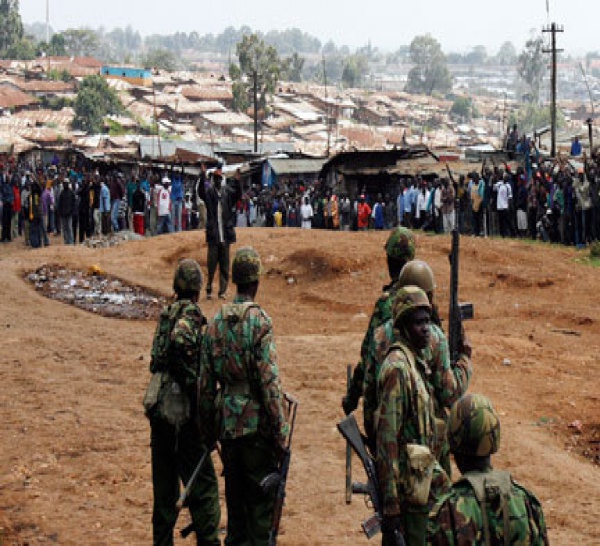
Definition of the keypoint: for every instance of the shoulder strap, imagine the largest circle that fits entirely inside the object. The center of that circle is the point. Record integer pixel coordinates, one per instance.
(488, 485)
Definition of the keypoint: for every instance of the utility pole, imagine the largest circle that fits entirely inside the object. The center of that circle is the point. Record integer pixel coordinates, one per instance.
(255, 76)
(553, 29)
(327, 107)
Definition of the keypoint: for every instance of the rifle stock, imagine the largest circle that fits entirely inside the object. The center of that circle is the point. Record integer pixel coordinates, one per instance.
(284, 468)
(348, 428)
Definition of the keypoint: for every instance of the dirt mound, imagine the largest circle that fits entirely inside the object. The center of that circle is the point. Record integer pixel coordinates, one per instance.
(316, 265)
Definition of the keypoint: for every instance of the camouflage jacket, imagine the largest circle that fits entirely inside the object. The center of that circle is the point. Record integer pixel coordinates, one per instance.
(182, 323)
(457, 518)
(381, 314)
(405, 415)
(447, 381)
(239, 356)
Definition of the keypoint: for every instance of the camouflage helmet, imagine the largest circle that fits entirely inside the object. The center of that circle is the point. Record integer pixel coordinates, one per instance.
(188, 276)
(473, 426)
(417, 273)
(407, 300)
(400, 244)
(246, 267)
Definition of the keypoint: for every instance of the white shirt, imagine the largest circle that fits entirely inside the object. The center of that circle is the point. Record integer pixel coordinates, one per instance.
(163, 199)
(306, 212)
(422, 200)
(504, 194)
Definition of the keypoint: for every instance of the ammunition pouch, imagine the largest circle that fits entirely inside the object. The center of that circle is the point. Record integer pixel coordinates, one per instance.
(165, 398)
(421, 463)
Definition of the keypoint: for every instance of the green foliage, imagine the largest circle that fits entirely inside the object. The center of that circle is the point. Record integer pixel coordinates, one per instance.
(81, 42)
(256, 60)
(56, 103)
(463, 108)
(291, 68)
(23, 49)
(162, 59)
(94, 101)
(355, 68)
(59, 75)
(531, 67)
(531, 117)
(11, 26)
(430, 71)
(507, 54)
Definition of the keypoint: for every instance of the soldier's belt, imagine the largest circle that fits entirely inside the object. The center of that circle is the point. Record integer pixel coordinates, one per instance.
(238, 389)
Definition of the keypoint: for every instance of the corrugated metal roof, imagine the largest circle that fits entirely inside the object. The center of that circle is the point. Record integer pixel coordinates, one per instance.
(227, 118)
(149, 148)
(11, 98)
(297, 166)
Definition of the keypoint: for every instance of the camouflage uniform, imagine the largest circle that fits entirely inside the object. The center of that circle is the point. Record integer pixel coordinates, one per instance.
(177, 449)
(405, 415)
(485, 507)
(445, 381)
(239, 356)
(399, 246)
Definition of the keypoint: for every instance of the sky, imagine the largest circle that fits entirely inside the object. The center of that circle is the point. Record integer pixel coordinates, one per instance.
(458, 25)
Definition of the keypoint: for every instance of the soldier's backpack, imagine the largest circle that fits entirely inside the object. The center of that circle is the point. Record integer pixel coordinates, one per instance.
(164, 396)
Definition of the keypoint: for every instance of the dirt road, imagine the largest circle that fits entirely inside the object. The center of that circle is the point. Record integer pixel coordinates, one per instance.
(75, 458)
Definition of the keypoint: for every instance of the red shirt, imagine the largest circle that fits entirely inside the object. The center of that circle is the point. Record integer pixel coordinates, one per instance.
(364, 212)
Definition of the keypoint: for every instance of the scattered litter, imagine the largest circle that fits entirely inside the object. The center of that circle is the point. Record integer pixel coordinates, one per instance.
(506, 362)
(114, 239)
(96, 292)
(566, 332)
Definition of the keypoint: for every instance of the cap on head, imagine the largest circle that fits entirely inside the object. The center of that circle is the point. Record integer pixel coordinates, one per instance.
(400, 244)
(417, 273)
(188, 277)
(246, 267)
(473, 426)
(407, 300)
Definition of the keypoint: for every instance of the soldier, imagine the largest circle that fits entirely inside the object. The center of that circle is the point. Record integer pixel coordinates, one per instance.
(175, 439)
(410, 477)
(239, 355)
(485, 506)
(400, 249)
(447, 380)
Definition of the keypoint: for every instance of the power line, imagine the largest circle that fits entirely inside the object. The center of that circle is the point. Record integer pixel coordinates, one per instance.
(553, 29)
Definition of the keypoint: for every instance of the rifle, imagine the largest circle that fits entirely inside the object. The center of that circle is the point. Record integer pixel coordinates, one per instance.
(457, 312)
(348, 428)
(186, 492)
(349, 450)
(279, 479)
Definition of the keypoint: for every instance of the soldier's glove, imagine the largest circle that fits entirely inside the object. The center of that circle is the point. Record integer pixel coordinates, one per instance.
(349, 403)
(391, 524)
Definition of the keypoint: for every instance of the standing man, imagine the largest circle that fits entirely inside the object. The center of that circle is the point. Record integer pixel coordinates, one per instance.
(117, 191)
(306, 212)
(104, 207)
(163, 206)
(363, 213)
(138, 206)
(66, 208)
(7, 197)
(175, 440)
(220, 200)
(410, 477)
(485, 506)
(239, 355)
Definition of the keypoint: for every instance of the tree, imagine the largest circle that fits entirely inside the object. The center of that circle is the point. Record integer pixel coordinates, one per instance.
(478, 55)
(95, 100)
(463, 108)
(507, 54)
(81, 42)
(161, 58)
(430, 71)
(292, 68)
(355, 68)
(256, 60)
(11, 26)
(531, 66)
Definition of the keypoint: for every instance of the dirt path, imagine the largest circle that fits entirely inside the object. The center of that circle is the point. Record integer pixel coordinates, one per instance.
(75, 459)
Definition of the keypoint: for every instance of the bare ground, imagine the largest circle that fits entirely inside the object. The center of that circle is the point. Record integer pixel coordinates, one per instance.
(75, 458)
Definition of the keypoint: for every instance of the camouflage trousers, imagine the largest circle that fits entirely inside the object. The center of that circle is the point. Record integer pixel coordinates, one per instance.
(247, 461)
(414, 529)
(174, 457)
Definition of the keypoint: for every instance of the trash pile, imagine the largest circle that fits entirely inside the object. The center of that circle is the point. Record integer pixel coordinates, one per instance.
(114, 239)
(97, 292)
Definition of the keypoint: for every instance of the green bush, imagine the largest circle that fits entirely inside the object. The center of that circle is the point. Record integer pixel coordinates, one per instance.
(595, 250)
